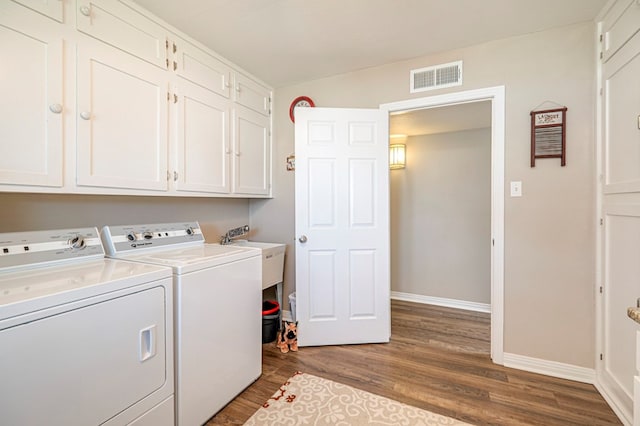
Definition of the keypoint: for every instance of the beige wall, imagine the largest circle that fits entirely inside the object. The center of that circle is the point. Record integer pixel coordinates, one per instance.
(30, 212)
(549, 232)
(441, 217)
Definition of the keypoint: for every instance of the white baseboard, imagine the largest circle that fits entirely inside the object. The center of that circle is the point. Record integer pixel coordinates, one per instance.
(620, 404)
(550, 368)
(441, 301)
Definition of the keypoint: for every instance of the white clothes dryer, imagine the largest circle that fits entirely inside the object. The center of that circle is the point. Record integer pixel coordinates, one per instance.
(218, 298)
(84, 340)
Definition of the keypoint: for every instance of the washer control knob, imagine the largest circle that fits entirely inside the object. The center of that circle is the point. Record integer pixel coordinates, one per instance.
(147, 235)
(190, 231)
(131, 236)
(77, 242)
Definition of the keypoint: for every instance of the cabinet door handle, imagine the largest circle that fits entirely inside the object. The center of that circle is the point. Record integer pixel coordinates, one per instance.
(55, 108)
(85, 10)
(85, 115)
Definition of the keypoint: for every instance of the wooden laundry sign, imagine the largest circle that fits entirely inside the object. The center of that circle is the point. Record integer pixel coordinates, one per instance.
(548, 135)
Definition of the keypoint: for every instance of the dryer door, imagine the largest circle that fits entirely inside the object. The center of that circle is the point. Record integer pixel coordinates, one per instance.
(85, 364)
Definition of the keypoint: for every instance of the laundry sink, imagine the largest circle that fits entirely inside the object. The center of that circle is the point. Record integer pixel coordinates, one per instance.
(272, 260)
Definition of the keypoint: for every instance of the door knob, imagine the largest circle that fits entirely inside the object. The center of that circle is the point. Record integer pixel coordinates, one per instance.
(303, 239)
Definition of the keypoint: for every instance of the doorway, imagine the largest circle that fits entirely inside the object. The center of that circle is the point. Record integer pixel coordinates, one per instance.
(495, 97)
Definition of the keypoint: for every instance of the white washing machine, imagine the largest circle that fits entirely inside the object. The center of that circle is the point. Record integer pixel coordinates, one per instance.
(84, 340)
(218, 299)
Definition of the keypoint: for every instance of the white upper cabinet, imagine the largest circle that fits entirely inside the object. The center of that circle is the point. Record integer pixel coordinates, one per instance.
(619, 25)
(147, 112)
(122, 139)
(201, 138)
(124, 28)
(251, 94)
(197, 66)
(31, 82)
(251, 153)
(51, 8)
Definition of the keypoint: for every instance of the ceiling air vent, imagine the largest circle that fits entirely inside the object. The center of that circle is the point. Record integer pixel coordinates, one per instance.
(436, 77)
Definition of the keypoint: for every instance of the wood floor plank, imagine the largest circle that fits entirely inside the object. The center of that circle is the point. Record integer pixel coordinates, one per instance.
(438, 359)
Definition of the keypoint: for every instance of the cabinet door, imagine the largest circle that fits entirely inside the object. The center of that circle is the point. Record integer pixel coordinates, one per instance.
(251, 153)
(50, 8)
(622, 109)
(122, 121)
(201, 134)
(252, 95)
(200, 68)
(122, 27)
(620, 24)
(31, 84)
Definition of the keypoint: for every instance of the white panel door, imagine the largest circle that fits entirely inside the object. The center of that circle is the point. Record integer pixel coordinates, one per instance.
(32, 114)
(122, 121)
(342, 226)
(202, 140)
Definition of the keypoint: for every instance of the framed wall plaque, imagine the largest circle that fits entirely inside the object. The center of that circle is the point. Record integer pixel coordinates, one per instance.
(548, 135)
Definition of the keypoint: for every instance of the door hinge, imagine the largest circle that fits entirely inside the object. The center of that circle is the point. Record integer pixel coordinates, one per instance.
(601, 55)
(601, 91)
(175, 48)
(601, 357)
(601, 38)
(167, 60)
(601, 289)
(166, 44)
(168, 96)
(601, 221)
(493, 242)
(168, 175)
(175, 98)
(175, 176)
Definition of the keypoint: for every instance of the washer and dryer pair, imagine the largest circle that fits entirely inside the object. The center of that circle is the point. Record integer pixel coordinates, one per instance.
(89, 340)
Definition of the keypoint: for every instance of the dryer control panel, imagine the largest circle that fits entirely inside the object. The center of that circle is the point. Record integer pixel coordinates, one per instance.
(124, 239)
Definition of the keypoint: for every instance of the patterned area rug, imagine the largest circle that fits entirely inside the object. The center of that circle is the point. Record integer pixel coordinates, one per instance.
(309, 400)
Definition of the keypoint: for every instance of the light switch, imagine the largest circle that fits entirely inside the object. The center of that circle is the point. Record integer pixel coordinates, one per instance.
(516, 189)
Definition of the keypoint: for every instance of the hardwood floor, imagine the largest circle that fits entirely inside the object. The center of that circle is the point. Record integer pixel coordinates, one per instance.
(438, 360)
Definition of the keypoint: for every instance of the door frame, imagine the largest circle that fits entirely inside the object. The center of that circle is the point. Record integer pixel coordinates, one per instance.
(496, 95)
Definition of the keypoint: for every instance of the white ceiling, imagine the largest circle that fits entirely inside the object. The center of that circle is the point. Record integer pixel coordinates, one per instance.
(453, 118)
(288, 41)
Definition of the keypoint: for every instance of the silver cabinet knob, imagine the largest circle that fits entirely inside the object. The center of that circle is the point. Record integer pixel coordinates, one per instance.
(303, 239)
(85, 115)
(55, 108)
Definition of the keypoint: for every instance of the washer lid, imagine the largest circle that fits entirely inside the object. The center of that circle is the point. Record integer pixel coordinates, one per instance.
(189, 259)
